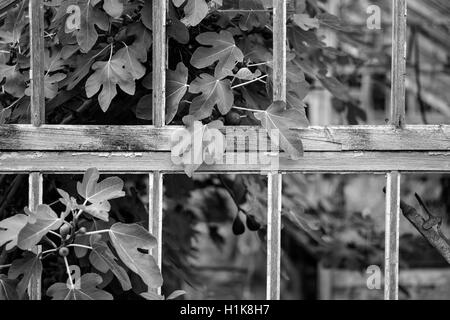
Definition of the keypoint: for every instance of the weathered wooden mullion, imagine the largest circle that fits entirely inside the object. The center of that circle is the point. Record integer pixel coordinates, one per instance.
(36, 11)
(36, 14)
(35, 195)
(434, 138)
(159, 62)
(275, 179)
(392, 239)
(156, 210)
(398, 116)
(145, 162)
(156, 187)
(274, 196)
(399, 43)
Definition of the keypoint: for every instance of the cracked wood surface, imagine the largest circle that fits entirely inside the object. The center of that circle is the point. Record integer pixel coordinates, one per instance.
(149, 138)
(144, 162)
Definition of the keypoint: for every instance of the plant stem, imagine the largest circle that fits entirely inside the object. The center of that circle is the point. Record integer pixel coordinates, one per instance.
(5, 266)
(249, 82)
(244, 10)
(80, 211)
(68, 272)
(96, 232)
(250, 110)
(80, 246)
(232, 195)
(258, 64)
(55, 234)
(48, 251)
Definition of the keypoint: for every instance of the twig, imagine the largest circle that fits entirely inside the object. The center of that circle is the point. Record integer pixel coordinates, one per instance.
(68, 273)
(233, 196)
(55, 234)
(48, 251)
(96, 232)
(433, 235)
(249, 110)
(249, 82)
(80, 246)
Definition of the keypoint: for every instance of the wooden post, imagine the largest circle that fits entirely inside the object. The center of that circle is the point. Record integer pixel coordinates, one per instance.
(275, 179)
(399, 43)
(35, 185)
(155, 217)
(159, 62)
(391, 261)
(156, 188)
(399, 17)
(36, 11)
(35, 195)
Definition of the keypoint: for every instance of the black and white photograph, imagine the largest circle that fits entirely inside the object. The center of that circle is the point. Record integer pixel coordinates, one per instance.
(216, 157)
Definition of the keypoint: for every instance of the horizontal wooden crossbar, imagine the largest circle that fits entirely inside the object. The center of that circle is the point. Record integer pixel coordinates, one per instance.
(149, 138)
(144, 162)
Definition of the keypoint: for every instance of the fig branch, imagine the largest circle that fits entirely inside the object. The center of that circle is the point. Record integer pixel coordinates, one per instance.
(429, 227)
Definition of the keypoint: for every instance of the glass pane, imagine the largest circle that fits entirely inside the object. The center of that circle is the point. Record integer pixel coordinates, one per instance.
(14, 62)
(93, 253)
(333, 237)
(344, 48)
(211, 249)
(428, 74)
(97, 61)
(424, 273)
(230, 44)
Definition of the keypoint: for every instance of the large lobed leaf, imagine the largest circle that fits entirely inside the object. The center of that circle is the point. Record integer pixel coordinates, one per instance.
(277, 117)
(29, 267)
(195, 11)
(97, 192)
(176, 87)
(213, 92)
(90, 17)
(7, 289)
(129, 241)
(222, 49)
(45, 220)
(107, 75)
(88, 289)
(10, 228)
(199, 146)
(102, 258)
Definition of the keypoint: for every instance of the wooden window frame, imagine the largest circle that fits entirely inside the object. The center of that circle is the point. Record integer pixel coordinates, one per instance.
(391, 149)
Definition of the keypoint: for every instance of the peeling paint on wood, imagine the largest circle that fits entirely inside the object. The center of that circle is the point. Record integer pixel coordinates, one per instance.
(35, 197)
(392, 235)
(145, 162)
(149, 138)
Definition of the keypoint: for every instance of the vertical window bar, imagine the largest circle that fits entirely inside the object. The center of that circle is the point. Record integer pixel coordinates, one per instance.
(279, 50)
(274, 236)
(275, 179)
(35, 185)
(35, 194)
(159, 62)
(156, 206)
(156, 188)
(36, 12)
(391, 261)
(399, 15)
(399, 18)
